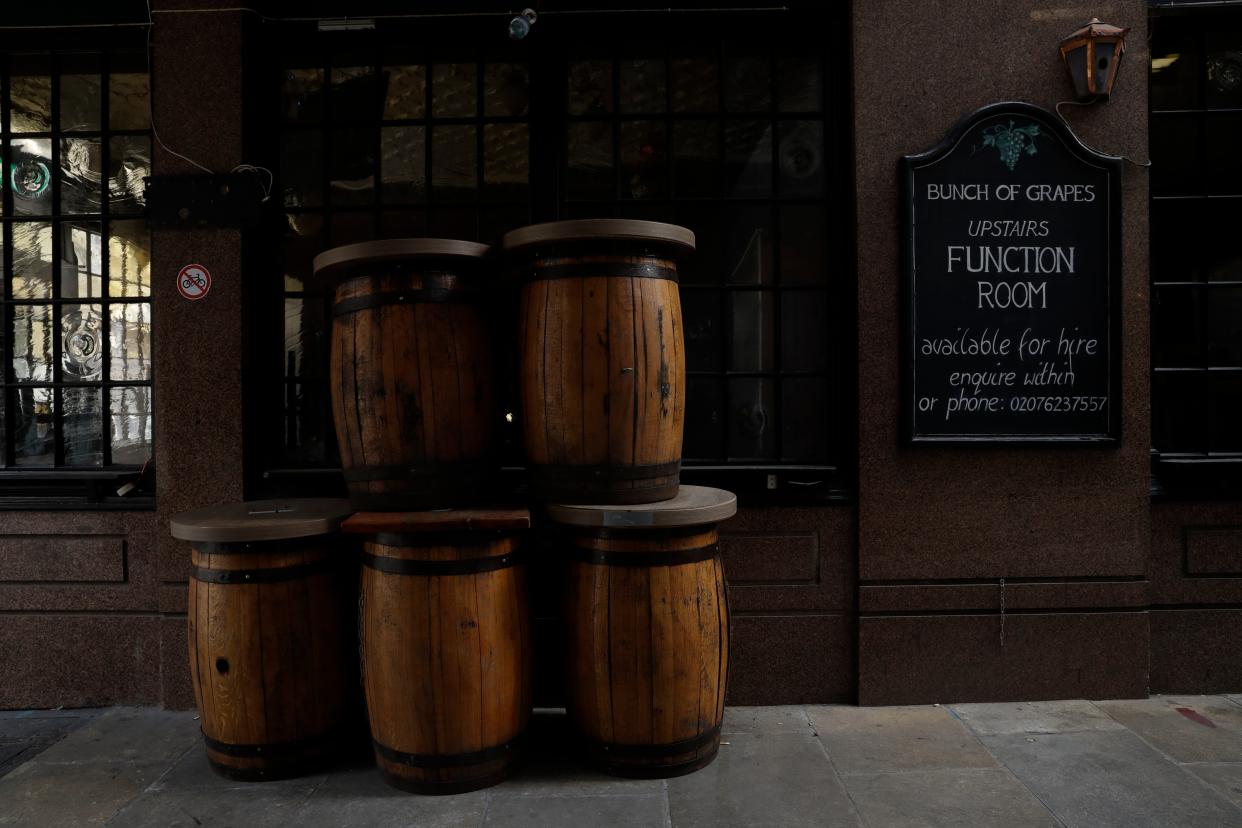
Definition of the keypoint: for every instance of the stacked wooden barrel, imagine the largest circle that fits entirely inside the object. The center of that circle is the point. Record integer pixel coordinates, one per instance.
(445, 644)
(647, 622)
(270, 634)
(603, 412)
(413, 371)
(443, 630)
(443, 625)
(603, 362)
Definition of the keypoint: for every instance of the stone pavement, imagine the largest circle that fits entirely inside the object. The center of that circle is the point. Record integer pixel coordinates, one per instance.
(1164, 761)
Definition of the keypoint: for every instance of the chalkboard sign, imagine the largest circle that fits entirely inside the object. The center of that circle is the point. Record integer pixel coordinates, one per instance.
(1012, 272)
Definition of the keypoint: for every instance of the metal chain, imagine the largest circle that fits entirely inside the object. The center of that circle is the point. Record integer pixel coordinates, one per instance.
(1002, 624)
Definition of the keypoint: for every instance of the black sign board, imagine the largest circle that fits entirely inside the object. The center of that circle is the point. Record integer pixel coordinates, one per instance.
(1012, 276)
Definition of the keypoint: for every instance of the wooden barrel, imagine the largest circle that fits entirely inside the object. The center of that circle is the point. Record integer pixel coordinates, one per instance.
(413, 373)
(602, 358)
(270, 634)
(446, 648)
(647, 621)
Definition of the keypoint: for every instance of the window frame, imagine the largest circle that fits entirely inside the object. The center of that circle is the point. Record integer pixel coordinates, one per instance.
(111, 48)
(772, 482)
(1185, 474)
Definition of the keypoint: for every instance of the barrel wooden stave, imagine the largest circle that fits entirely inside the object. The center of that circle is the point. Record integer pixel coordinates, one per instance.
(414, 391)
(269, 661)
(446, 665)
(603, 368)
(648, 646)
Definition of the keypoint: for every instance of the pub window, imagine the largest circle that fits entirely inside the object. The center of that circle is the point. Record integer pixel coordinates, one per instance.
(1196, 262)
(75, 148)
(740, 142)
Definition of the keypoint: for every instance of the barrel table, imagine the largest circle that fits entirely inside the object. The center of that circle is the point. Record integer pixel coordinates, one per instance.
(445, 645)
(270, 634)
(412, 372)
(602, 358)
(647, 623)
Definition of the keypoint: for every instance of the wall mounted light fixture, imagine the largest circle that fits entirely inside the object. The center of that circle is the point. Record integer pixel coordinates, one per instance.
(1093, 54)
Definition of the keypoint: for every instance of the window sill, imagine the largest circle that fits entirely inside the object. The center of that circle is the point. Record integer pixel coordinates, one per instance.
(1196, 477)
(757, 485)
(73, 490)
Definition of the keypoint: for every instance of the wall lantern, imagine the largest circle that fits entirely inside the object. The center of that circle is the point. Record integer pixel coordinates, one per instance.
(1092, 55)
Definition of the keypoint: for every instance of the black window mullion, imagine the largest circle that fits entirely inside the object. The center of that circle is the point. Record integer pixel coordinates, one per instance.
(480, 82)
(54, 322)
(726, 297)
(377, 147)
(6, 203)
(774, 214)
(428, 134)
(668, 121)
(327, 127)
(105, 292)
(618, 174)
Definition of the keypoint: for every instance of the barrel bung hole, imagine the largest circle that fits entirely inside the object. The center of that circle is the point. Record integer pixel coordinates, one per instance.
(222, 666)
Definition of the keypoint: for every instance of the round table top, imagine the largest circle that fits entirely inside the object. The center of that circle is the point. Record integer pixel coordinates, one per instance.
(392, 250)
(607, 229)
(693, 506)
(261, 520)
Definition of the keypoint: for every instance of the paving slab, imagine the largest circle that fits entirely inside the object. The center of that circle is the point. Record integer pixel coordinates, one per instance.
(1187, 728)
(1034, 717)
(876, 739)
(58, 794)
(251, 810)
(942, 798)
(763, 779)
(10, 751)
(576, 812)
(123, 733)
(1225, 778)
(27, 733)
(565, 777)
(550, 766)
(358, 797)
(766, 720)
(192, 773)
(1100, 779)
(42, 727)
(52, 713)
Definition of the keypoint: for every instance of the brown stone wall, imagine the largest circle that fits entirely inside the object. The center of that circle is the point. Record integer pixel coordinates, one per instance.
(198, 345)
(792, 605)
(940, 526)
(92, 604)
(1196, 596)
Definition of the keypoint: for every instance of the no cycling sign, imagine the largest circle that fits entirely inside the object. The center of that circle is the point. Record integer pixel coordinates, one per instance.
(193, 281)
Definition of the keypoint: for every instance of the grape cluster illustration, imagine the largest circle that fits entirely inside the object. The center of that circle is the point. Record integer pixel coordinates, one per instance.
(1011, 141)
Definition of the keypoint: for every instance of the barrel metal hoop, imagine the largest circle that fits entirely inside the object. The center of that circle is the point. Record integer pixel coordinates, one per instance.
(590, 270)
(363, 474)
(259, 547)
(273, 749)
(643, 559)
(619, 751)
(466, 566)
(507, 750)
(414, 296)
(263, 576)
(554, 473)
